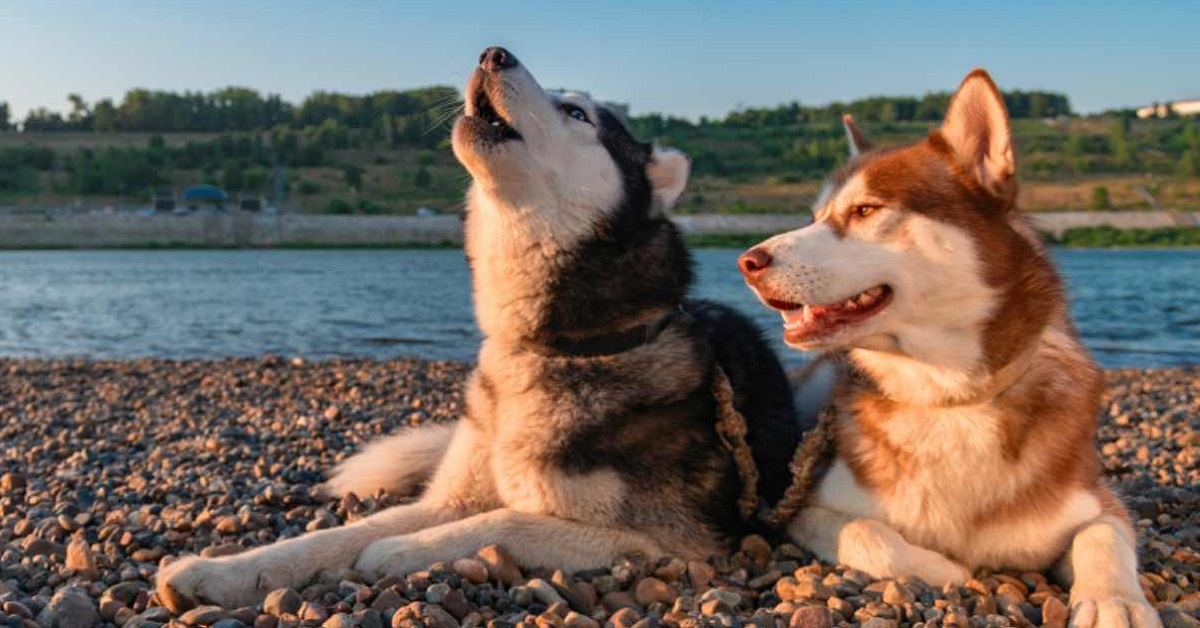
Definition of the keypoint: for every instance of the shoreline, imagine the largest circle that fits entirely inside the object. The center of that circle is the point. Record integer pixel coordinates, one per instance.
(695, 241)
(10, 362)
(250, 230)
(114, 467)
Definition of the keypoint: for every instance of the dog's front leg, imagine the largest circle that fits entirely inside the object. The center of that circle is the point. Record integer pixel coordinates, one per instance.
(243, 579)
(1102, 562)
(871, 546)
(533, 540)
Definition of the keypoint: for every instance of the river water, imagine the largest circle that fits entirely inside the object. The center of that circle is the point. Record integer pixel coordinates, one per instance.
(1134, 308)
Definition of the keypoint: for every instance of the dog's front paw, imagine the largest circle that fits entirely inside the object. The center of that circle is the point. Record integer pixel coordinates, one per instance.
(934, 568)
(877, 549)
(385, 557)
(193, 580)
(1107, 610)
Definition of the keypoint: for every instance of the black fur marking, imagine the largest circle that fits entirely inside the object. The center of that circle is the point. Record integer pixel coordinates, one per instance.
(634, 266)
(680, 436)
(594, 291)
(653, 445)
(761, 392)
(603, 344)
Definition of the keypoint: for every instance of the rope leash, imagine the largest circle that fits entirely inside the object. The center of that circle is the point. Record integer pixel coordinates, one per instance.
(809, 463)
(731, 427)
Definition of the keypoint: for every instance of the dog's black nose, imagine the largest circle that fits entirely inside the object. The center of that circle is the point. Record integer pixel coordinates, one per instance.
(496, 58)
(754, 262)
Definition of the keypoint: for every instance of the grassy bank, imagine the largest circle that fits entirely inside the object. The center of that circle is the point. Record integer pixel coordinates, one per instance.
(1111, 237)
(725, 240)
(290, 246)
(1079, 237)
(302, 246)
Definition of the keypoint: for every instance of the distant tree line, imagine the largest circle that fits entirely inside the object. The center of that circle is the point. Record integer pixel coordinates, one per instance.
(406, 115)
(256, 134)
(806, 141)
(237, 162)
(884, 109)
(798, 151)
(403, 117)
(242, 161)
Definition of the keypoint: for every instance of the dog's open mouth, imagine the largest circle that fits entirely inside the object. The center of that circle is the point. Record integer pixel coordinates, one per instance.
(804, 322)
(485, 120)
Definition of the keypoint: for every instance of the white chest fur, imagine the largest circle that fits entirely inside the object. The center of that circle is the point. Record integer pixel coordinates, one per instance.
(951, 487)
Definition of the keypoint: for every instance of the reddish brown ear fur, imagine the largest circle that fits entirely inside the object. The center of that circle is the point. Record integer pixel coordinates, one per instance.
(977, 129)
(854, 137)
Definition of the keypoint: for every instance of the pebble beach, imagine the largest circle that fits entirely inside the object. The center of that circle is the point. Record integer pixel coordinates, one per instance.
(111, 469)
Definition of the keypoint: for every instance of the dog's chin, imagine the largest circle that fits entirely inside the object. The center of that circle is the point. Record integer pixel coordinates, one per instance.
(482, 156)
(473, 134)
(826, 343)
(863, 337)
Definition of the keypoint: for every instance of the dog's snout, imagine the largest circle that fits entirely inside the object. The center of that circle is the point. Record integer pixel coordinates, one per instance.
(754, 262)
(496, 58)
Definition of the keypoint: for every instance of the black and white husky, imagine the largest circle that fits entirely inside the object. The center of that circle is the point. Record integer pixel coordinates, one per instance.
(590, 423)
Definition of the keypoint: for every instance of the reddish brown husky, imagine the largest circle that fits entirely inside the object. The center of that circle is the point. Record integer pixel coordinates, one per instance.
(965, 432)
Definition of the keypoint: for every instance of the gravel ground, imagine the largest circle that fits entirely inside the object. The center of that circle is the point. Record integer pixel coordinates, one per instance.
(109, 469)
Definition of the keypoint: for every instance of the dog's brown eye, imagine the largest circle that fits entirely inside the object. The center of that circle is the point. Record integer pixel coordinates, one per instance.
(862, 211)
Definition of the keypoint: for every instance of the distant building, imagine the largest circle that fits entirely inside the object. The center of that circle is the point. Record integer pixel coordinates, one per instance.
(1162, 110)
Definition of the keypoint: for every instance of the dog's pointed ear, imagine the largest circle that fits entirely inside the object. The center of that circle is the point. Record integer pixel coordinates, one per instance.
(854, 137)
(668, 171)
(977, 128)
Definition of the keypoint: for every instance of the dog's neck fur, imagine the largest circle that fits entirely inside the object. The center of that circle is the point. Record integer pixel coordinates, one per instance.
(540, 274)
(912, 381)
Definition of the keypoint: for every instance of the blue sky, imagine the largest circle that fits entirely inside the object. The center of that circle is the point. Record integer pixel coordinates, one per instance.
(688, 58)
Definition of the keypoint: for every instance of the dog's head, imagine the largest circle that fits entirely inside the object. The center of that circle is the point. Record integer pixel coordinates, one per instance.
(916, 251)
(560, 153)
(567, 229)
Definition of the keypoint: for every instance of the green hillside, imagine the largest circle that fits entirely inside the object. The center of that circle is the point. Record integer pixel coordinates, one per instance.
(387, 152)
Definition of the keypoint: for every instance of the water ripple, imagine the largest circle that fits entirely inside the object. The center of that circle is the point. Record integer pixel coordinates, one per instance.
(1134, 308)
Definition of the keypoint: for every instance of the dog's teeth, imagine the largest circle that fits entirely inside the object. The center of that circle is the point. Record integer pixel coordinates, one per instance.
(851, 304)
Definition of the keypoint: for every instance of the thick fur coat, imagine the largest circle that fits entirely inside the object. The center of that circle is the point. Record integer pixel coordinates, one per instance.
(590, 419)
(967, 422)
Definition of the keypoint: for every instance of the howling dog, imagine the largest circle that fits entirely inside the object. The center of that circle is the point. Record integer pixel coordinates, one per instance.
(965, 426)
(590, 418)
